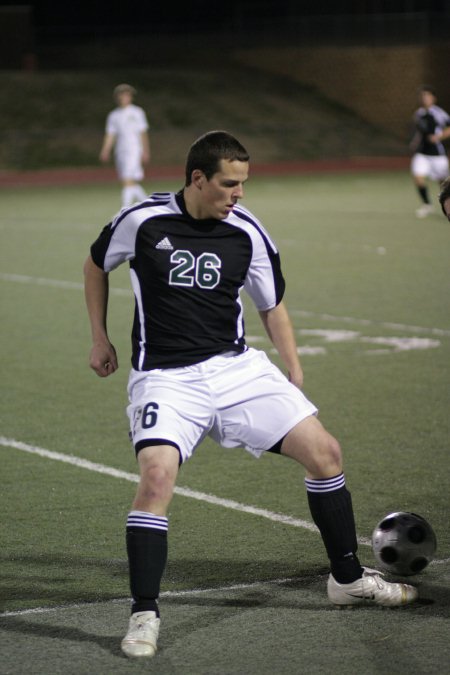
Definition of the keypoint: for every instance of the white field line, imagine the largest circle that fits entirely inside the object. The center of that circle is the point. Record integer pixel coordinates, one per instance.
(56, 283)
(369, 322)
(73, 285)
(183, 492)
(164, 594)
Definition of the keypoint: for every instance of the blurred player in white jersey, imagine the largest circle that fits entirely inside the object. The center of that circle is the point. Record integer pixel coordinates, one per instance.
(127, 132)
(430, 161)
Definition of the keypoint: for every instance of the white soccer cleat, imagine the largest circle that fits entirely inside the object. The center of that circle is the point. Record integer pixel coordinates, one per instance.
(142, 635)
(371, 589)
(424, 210)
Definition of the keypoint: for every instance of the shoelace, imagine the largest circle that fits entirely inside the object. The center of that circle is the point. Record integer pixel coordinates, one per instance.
(376, 575)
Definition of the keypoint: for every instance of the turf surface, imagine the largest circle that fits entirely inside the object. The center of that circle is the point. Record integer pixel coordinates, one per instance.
(368, 289)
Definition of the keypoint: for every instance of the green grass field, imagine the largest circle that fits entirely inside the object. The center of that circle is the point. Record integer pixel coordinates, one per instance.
(244, 593)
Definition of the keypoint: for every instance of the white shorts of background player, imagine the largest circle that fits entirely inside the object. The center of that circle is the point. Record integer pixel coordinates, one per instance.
(129, 166)
(434, 167)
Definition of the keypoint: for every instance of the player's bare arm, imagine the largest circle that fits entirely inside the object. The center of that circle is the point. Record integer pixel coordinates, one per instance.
(278, 326)
(108, 143)
(103, 358)
(415, 141)
(145, 147)
(441, 136)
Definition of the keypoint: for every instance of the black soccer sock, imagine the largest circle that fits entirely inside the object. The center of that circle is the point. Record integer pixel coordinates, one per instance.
(330, 504)
(423, 192)
(147, 556)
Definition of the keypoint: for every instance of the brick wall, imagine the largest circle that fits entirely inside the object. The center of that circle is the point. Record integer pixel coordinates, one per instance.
(379, 83)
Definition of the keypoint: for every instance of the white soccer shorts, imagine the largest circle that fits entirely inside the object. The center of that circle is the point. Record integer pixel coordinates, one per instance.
(236, 399)
(434, 167)
(129, 166)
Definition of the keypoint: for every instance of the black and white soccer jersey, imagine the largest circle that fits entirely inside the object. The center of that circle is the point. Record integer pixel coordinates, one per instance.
(431, 121)
(187, 276)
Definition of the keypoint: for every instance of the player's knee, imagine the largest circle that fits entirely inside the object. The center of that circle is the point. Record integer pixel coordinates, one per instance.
(156, 483)
(334, 451)
(329, 457)
(313, 446)
(325, 458)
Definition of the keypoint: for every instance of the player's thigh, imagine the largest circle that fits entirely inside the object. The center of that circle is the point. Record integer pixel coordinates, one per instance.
(160, 459)
(310, 444)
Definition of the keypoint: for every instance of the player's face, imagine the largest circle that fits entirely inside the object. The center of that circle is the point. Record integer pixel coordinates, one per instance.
(124, 98)
(221, 193)
(427, 99)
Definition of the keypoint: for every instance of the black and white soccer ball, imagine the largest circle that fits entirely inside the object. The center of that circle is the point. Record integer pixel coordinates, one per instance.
(403, 543)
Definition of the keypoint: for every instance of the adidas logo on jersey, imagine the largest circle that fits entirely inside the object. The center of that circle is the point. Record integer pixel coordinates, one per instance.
(165, 244)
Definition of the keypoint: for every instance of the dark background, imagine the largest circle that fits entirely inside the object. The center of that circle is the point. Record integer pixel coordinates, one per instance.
(29, 32)
(300, 79)
(210, 13)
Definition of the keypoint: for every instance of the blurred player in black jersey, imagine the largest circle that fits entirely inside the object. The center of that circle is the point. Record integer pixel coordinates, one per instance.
(444, 198)
(429, 161)
(191, 254)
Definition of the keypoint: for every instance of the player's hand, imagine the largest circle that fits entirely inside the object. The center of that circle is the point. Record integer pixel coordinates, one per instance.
(104, 156)
(103, 359)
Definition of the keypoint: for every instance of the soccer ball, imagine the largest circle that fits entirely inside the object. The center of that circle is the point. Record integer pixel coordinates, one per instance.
(403, 543)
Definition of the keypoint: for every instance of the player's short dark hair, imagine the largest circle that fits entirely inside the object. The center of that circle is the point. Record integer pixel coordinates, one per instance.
(429, 89)
(207, 151)
(444, 194)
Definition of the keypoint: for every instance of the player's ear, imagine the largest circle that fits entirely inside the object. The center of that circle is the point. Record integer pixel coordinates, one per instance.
(198, 178)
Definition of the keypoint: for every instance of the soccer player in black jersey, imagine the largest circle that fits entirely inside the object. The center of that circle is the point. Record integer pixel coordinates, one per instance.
(191, 254)
(430, 160)
(444, 198)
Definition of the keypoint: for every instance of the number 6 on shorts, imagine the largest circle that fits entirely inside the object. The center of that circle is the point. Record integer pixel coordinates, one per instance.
(149, 415)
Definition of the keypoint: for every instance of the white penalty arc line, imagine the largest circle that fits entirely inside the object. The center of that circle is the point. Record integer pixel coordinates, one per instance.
(122, 292)
(183, 492)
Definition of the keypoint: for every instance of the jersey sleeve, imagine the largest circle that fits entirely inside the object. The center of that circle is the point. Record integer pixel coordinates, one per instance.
(116, 243)
(111, 124)
(264, 282)
(143, 122)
